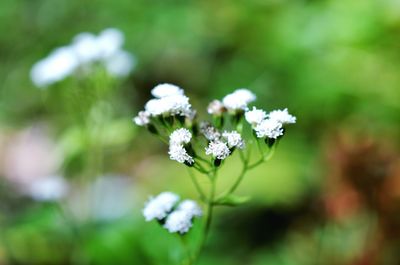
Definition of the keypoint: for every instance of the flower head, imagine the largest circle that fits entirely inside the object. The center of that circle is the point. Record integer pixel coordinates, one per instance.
(234, 139)
(269, 128)
(209, 131)
(178, 221)
(170, 105)
(215, 107)
(190, 207)
(282, 116)
(181, 219)
(142, 119)
(159, 206)
(218, 149)
(238, 100)
(180, 136)
(178, 153)
(165, 90)
(255, 116)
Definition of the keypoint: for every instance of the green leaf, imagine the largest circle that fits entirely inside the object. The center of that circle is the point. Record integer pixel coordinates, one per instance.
(232, 200)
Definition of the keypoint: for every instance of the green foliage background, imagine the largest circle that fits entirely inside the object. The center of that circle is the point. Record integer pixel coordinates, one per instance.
(334, 63)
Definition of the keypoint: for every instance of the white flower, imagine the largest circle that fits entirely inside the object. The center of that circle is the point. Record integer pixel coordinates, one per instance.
(191, 207)
(142, 119)
(109, 42)
(172, 105)
(234, 139)
(165, 90)
(238, 100)
(210, 132)
(255, 116)
(120, 64)
(159, 207)
(215, 107)
(218, 149)
(180, 136)
(85, 47)
(50, 188)
(178, 153)
(269, 128)
(61, 63)
(178, 221)
(282, 116)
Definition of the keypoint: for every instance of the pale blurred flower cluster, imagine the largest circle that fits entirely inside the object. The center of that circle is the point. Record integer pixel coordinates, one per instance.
(81, 55)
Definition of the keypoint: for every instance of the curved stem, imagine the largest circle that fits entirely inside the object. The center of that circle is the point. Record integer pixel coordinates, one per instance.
(197, 185)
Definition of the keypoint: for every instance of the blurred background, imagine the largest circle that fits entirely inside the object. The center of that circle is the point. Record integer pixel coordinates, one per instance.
(75, 171)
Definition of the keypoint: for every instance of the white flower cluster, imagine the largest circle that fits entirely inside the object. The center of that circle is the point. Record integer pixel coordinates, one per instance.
(269, 125)
(177, 151)
(220, 145)
(180, 220)
(85, 50)
(218, 149)
(161, 208)
(238, 100)
(169, 100)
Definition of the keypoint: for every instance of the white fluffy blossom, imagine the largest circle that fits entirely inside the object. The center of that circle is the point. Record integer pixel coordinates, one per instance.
(180, 136)
(165, 90)
(218, 149)
(209, 131)
(173, 105)
(255, 116)
(61, 63)
(190, 207)
(159, 206)
(142, 119)
(178, 221)
(120, 64)
(215, 107)
(234, 139)
(269, 128)
(85, 50)
(50, 188)
(182, 218)
(178, 153)
(238, 100)
(282, 116)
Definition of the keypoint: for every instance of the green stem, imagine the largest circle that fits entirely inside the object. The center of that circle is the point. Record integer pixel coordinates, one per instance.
(209, 214)
(197, 185)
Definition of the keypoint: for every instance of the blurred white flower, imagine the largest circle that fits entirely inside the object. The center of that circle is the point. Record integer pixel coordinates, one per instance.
(180, 136)
(159, 206)
(178, 153)
(191, 207)
(120, 64)
(282, 116)
(178, 221)
(239, 99)
(50, 188)
(181, 219)
(234, 139)
(165, 90)
(142, 119)
(255, 116)
(215, 107)
(109, 42)
(269, 128)
(85, 47)
(218, 149)
(30, 155)
(85, 50)
(58, 65)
